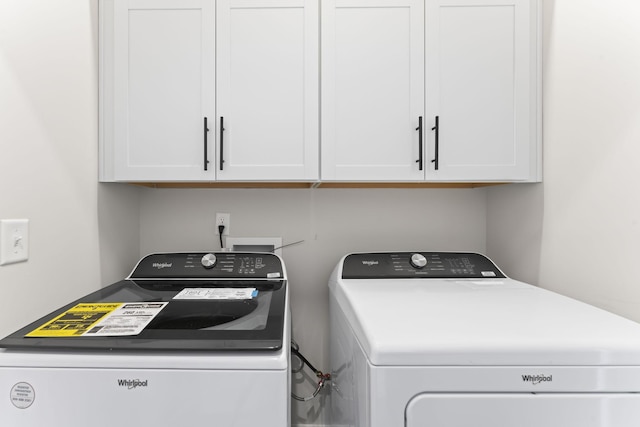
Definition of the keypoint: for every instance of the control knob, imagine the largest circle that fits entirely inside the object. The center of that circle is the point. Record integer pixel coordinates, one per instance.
(208, 261)
(418, 260)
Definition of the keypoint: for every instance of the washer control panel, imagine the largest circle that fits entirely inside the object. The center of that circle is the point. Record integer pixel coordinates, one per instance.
(437, 265)
(209, 265)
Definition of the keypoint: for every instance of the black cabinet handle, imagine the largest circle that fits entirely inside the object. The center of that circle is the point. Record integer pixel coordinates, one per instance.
(419, 129)
(221, 143)
(437, 129)
(206, 148)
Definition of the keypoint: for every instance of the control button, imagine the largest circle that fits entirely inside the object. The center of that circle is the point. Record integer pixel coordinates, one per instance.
(418, 260)
(208, 261)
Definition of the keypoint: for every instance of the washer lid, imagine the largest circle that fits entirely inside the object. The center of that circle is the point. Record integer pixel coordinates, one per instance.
(231, 306)
(496, 321)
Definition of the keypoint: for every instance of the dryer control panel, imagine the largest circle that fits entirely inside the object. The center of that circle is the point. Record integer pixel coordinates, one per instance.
(436, 265)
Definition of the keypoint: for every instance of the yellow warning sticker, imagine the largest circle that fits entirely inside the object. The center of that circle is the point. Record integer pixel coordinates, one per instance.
(75, 321)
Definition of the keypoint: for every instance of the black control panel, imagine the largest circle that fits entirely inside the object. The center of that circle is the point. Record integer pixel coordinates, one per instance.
(390, 265)
(209, 265)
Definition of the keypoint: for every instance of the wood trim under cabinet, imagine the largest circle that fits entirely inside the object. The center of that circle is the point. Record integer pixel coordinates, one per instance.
(316, 185)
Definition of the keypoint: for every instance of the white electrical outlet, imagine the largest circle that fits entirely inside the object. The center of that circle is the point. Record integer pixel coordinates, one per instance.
(223, 219)
(14, 240)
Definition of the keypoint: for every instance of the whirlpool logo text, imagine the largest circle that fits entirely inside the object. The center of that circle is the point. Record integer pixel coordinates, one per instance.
(131, 384)
(161, 265)
(537, 379)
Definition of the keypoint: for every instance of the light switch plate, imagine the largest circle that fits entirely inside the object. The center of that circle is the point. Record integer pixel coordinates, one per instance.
(14, 241)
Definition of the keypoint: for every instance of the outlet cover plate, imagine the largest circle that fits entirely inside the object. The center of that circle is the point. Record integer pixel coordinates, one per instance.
(223, 219)
(14, 241)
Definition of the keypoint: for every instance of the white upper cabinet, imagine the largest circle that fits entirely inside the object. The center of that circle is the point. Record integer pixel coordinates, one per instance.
(158, 88)
(482, 86)
(161, 85)
(267, 90)
(372, 90)
(412, 91)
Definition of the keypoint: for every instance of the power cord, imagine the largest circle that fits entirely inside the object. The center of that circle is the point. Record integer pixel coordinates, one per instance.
(322, 377)
(220, 231)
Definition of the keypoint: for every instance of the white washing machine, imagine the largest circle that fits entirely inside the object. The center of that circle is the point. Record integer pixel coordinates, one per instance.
(446, 340)
(188, 339)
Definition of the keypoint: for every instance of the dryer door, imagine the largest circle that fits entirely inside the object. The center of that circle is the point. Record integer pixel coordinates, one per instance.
(524, 410)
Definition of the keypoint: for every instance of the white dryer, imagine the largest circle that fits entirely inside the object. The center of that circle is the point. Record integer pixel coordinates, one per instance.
(446, 339)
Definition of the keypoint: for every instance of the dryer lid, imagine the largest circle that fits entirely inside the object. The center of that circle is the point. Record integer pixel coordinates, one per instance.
(479, 321)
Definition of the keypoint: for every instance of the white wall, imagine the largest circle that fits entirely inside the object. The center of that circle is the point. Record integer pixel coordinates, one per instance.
(332, 223)
(82, 235)
(578, 233)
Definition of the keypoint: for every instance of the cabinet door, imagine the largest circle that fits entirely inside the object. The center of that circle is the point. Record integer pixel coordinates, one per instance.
(163, 78)
(372, 89)
(481, 84)
(267, 89)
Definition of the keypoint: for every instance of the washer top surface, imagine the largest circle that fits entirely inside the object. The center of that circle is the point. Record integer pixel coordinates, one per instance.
(404, 314)
(220, 302)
